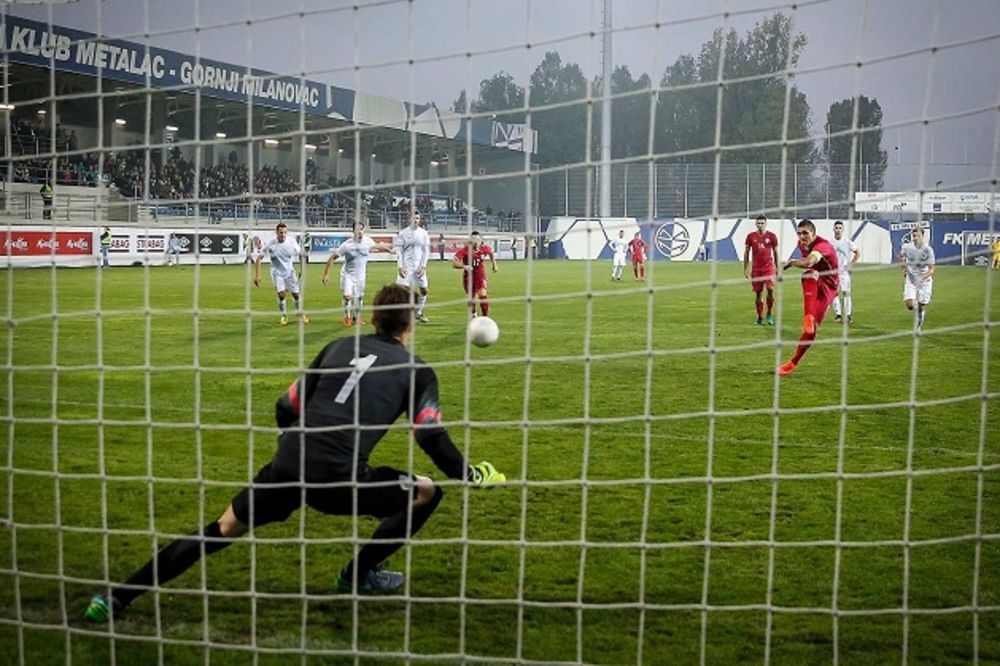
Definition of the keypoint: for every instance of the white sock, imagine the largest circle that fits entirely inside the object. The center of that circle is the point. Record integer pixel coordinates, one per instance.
(421, 302)
(282, 307)
(347, 307)
(836, 306)
(298, 305)
(848, 305)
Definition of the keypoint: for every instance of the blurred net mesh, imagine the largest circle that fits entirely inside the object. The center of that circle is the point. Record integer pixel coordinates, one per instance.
(203, 156)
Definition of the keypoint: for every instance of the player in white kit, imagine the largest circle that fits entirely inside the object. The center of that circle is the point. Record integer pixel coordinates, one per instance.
(618, 246)
(847, 255)
(917, 258)
(354, 271)
(413, 247)
(283, 252)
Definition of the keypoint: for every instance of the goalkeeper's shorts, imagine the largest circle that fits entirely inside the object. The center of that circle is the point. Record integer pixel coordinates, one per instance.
(274, 496)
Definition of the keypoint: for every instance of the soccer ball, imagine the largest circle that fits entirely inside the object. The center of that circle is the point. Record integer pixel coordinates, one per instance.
(483, 331)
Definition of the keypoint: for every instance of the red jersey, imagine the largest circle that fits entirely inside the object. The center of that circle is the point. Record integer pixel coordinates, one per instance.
(824, 270)
(762, 251)
(478, 259)
(637, 247)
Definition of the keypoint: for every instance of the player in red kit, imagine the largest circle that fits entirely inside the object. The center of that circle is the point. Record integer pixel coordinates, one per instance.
(638, 248)
(763, 245)
(820, 285)
(471, 260)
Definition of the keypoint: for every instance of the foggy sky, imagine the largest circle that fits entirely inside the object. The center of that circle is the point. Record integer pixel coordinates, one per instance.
(370, 49)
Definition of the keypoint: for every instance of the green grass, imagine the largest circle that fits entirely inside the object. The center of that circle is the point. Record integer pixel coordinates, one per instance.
(129, 394)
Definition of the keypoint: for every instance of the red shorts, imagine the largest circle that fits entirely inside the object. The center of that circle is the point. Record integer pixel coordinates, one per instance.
(816, 298)
(638, 260)
(479, 283)
(761, 279)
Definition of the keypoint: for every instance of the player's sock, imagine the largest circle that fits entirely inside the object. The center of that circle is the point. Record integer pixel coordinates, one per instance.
(836, 307)
(359, 304)
(347, 308)
(281, 306)
(173, 560)
(848, 305)
(805, 341)
(759, 304)
(298, 305)
(421, 302)
(484, 306)
(921, 313)
(388, 537)
(770, 305)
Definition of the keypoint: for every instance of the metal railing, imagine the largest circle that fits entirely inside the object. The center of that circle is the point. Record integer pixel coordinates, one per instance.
(687, 189)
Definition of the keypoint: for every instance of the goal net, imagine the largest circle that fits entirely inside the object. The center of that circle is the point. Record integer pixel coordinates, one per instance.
(703, 463)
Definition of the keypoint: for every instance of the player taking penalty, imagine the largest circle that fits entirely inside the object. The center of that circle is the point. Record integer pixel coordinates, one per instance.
(762, 245)
(471, 260)
(819, 286)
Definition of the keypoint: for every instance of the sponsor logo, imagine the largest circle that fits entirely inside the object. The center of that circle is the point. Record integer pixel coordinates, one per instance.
(78, 243)
(119, 244)
(971, 238)
(16, 244)
(672, 244)
(150, 244)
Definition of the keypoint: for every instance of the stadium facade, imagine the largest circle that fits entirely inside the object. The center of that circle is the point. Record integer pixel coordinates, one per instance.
(328, 153)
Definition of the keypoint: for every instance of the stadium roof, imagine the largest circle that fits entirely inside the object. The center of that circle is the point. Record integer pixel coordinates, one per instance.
(177, 74)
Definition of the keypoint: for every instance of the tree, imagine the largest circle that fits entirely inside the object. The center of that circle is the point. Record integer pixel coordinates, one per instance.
(869, 158)
(629, 114)
(562, 131)
(754, 90)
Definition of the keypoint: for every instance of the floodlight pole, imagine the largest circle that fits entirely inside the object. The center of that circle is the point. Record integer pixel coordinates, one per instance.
(607, 63)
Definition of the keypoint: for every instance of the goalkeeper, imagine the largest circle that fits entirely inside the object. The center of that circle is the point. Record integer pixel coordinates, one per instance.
(331, 419)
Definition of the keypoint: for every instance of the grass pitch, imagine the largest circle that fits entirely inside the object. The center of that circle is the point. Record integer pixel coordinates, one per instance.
(638, 424)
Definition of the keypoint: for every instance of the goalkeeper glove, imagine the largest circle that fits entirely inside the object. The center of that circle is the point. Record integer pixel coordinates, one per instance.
(486, 475)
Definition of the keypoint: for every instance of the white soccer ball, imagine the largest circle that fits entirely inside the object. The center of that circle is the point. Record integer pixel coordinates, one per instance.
(483, 331)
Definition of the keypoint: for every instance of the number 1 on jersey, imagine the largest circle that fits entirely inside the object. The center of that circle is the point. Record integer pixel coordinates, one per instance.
(361, 366)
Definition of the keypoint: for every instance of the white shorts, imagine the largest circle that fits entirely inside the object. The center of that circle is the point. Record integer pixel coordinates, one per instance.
(618, 260)
(845, 283)
(351, 286)
(921, 294)
(412, 280)
(289, 282)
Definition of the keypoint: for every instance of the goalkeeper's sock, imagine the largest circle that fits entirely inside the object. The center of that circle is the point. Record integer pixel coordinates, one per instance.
(282, 307)
(173, 560)
(388, 537)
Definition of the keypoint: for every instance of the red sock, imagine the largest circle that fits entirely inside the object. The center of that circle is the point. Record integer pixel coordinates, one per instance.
(804, 343)
(770, 305)
(484, 305)
(760, 308)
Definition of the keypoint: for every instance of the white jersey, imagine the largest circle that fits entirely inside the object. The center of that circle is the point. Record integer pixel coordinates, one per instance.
(618, 247)
(355, 254)
(413, 247)
(282, 255)
(845, 249)
(918, 260)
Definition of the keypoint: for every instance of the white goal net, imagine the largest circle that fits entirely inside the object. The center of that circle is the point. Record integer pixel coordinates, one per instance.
(704, 461)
